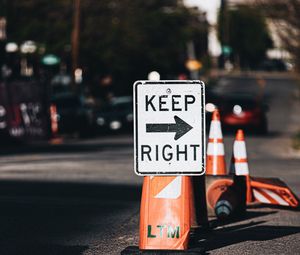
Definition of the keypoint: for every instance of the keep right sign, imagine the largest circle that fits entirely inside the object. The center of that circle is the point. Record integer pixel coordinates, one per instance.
(169, 127)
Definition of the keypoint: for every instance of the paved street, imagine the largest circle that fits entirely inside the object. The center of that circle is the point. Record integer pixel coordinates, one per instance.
(82, 197)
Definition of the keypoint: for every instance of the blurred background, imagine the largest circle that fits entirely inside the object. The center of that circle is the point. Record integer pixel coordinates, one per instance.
(67, 68)
(79, 55)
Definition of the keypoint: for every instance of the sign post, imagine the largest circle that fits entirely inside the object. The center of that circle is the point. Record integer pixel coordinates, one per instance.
(169, 128)
(169, 144)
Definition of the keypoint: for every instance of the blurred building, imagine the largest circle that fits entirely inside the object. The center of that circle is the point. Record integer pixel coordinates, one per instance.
(2, 40)
(211, 9)
(275, 26)
(199, 22)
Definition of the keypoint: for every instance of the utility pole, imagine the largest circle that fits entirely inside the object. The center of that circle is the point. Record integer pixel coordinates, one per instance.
(194, 72)
(75, 37)
(2, 42)
(226, 50)
(225, 23)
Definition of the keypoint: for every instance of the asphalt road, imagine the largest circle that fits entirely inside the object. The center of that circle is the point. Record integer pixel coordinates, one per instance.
(82, 197)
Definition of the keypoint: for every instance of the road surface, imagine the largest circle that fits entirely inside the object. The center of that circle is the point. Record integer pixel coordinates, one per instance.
(82, 197)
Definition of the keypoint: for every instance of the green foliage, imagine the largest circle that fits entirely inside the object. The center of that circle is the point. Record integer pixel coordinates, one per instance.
(134, 38)
(296, 141)
(247, 35)
(123, 38)
(46, 22)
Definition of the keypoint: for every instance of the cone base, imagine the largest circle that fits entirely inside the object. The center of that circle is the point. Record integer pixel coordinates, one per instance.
(234, 187)
(134, 250)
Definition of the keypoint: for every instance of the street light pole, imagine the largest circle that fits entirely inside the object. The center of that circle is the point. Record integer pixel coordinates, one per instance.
(75, 37)
(2, 42)
(194, 73)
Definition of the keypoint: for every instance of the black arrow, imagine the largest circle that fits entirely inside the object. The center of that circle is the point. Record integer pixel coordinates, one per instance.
(180, 127)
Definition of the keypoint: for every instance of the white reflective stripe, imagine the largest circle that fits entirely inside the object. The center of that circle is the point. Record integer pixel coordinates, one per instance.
(275, 196)
(239, 150)
(215, 149)
(241, 168)
(215, 166)
(260, 197)
(215, 130)
(172, 190)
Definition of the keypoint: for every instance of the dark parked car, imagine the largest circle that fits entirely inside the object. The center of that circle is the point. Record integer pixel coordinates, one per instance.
(117, 115)
(273, 65)
(74, 114)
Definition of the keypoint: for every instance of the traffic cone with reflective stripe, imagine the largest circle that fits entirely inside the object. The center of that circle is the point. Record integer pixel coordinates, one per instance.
(215, 161)
(273, 191)
(165, 217)
(261, 190)
(239, 162)
(225, 193)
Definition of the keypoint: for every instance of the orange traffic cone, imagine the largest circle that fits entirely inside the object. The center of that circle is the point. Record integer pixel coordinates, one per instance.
(273, 191)
(53, 118)
(239, 162)
(225, 196)
(215, 161)
(165, 213)
(225, 193)
(261, 190)
(219, 198)
(54, 125)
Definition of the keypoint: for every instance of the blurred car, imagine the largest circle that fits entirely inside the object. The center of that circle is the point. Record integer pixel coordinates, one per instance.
(74, 114)
(273, 65)
(117, 115)
(61, 83)
(240, 111)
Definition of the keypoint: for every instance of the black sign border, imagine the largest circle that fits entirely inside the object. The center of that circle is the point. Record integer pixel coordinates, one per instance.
(135, 107)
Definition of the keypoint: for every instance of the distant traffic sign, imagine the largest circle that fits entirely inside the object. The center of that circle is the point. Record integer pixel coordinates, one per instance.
(50, 59)
(169, 127)
(193, 65)
(226, 50)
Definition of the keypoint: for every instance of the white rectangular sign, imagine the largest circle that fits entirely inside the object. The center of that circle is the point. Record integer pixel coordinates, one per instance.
(169, 128)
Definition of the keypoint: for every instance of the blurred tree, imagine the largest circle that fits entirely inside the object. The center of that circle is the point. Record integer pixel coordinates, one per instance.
(43, 21)
(285, 14)
(246, 33)
(135, 37)
(125, 39)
